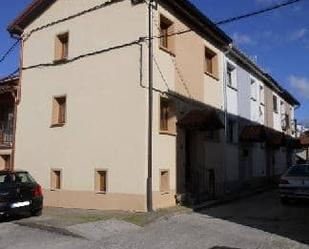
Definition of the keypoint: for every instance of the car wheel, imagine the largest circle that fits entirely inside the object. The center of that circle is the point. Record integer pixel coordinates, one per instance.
(285, 201)
(36, 212)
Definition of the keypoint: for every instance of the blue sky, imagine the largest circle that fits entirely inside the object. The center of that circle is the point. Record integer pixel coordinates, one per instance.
(278, 40)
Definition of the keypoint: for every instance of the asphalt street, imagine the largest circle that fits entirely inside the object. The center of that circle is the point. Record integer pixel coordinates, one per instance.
(256, 222)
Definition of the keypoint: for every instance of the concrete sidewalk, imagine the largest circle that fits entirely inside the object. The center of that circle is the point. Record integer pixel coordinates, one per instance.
(93, 224)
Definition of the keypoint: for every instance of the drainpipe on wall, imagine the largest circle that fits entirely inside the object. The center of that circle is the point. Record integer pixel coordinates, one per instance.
(16, 101)
(230, 47)
(150, 109)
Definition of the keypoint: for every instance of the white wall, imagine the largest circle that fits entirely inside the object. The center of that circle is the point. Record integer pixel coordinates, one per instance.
(277, 116)
(232, 94)
(106, 108)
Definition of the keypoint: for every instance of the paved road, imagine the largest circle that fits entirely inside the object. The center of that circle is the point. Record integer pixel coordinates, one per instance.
(257, 222)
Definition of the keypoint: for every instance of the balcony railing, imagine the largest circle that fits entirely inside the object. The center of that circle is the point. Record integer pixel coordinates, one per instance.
(285, 122)
(6, 138)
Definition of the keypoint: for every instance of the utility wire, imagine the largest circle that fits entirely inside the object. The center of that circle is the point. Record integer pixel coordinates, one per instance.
(9, 50)
(11, 75)
(97, 7)
(237, 18)
(254, 13)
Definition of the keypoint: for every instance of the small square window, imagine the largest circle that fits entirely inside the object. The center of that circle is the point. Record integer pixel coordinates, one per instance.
(253, 89)
(62, 46)
(211, 62)
(167, 115)
(164, 181)
(166, 28)
(230, 75)
(275, 103)
(101, 181)
(56, 179)
(262, 96)
(59, 110)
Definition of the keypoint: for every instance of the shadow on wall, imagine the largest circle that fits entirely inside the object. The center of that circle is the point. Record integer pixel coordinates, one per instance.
(204, 171)
(265, 212)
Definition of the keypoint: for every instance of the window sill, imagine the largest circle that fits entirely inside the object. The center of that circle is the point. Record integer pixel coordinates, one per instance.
(57, 125)
(55, 190)
(169, 133)
(167, 51)
(100, 192)
(60, 61)
(233, 88)
(165, 192)
(212, 75)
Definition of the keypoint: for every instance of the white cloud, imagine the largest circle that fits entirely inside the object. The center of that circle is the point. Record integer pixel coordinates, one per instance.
(300, 84)
(299, 34)
(242, 39)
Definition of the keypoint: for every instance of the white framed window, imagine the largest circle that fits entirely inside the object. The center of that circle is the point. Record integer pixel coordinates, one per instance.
(275, 103)
(253, 89)
(261, 94)
(231, 75)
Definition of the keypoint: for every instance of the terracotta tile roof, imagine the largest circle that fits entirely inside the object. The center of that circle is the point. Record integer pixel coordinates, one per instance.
(304, 140)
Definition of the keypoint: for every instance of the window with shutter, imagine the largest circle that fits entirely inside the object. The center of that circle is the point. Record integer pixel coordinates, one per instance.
(59, 111)
(62, 46)
(101, 181)
(211, 62)
(56, 179)
(164, 181)
(166, 29)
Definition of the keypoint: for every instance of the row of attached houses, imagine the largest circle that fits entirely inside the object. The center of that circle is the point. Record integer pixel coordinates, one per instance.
(220, 123)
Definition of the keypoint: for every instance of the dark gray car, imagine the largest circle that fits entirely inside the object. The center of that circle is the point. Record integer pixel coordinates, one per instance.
(294, 184)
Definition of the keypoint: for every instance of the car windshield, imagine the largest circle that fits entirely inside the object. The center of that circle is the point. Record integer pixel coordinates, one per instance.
(12, 178)
(299, 170)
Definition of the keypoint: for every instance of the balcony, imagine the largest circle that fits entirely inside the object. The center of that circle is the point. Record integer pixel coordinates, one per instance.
(6, 139)
(285, 122)
(6, 130)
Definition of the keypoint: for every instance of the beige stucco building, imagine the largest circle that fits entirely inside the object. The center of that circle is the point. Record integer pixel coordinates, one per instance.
(82, 120)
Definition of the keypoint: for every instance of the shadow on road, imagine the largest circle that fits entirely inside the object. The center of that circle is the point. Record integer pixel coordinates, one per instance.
(5, 219)
(266, 213)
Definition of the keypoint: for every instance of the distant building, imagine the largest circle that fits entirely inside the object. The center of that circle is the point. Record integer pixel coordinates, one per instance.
(8, 94)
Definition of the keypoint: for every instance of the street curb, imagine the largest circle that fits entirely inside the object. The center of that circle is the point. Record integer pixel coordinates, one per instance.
(48, 228)
(213, 203)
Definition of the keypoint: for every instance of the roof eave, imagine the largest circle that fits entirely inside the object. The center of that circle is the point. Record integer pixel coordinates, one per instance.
(271, 81)
(199, 19)
(35, 9)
